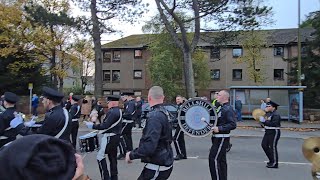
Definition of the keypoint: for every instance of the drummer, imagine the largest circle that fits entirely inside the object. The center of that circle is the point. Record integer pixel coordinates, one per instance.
(75, 115)
(110, 140)
(57, 121)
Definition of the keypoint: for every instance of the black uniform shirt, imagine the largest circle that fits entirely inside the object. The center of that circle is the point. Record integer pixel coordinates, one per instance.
(274, 121)
(53, 123)
(75, 111)
(156, 137)
(227, 120)
(109, 122)
(5, 119)
(129, 109)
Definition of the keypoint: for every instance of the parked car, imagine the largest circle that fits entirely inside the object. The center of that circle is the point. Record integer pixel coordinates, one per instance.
(172, 109)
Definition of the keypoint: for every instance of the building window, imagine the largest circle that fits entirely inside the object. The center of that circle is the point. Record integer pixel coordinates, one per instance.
(106, 92)
(215, 74)
(236, 52)
(278, 51)
(215, 53)
(107, 56)
(137, 93)
(106, 75)
(115, 92)
(137, 74)
(257, 70)
(116, 56)
(237, 74)
(137, 54)
(278, 74)
(116, 76)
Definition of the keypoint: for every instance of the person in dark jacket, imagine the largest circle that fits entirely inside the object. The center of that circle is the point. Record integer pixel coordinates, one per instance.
(111, 137)
(154, 147)
(40, 156)
(75, 116)
(221, 137)
(127, 124)
(178, 138)
(8, 134)
(272, 134)
(238, 107)
(138, 113)
(57, 121)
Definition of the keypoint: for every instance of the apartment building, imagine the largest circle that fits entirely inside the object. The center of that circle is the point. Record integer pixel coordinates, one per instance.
(124, 62)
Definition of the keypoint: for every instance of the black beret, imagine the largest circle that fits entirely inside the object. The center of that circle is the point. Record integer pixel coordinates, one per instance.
(76, 98)
(127, 94)
(52, 94)
(273, 104)
(113, 98)
(37, 156)
(10, 97)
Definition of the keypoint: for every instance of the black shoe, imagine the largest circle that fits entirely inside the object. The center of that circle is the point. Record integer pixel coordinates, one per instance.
(272, 166)
(121, 157)
(180, 156)
(229, 147)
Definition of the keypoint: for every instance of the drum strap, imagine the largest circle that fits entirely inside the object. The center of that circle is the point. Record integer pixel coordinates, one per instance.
(114, 124)
(78, 109)
(66, 114)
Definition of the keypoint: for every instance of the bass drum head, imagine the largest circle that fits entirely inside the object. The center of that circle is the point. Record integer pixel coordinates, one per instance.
(196, 117)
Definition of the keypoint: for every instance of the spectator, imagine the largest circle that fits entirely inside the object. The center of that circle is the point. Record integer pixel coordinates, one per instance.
(137, 114)
(263, 105)
(86, 107)
(238, 107)
(35, 104)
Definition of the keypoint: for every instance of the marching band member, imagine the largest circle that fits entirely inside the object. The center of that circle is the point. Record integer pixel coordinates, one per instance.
(57, 121)
(155, 144)
(75, 116)
(127, 124)
(272, 134)
(8, 134)
(178, 138)
(221, 137)
(111, 137)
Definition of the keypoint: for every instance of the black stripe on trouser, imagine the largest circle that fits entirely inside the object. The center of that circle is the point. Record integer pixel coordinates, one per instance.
(148, 174)
(74, 133)
(179, 142)
(218, 159)
(269, 145)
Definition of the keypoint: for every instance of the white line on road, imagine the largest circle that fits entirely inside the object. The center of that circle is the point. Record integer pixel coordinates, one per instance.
(193, 157)
(293, 163)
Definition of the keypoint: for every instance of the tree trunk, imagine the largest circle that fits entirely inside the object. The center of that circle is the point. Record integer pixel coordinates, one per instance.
(96, 36)
(60, 84)
(188, 73)
(54, 78)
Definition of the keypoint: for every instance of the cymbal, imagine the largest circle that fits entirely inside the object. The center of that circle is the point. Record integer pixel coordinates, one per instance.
(311, 150)
(257, 113)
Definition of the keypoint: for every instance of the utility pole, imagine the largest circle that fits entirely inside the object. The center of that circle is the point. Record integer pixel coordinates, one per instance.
(299, 46)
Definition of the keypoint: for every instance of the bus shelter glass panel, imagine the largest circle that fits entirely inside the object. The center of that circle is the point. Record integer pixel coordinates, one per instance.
(281, 97)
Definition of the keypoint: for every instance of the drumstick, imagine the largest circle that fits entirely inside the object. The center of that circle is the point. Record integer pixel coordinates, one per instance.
(204, 120)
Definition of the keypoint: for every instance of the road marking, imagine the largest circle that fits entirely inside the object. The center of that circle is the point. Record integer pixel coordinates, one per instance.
(193, 157)
(292, 163)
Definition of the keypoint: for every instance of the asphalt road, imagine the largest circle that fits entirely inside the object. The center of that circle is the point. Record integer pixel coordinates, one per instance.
(246, 161)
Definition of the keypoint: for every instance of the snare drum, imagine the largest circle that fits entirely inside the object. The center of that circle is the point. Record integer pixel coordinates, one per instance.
(88, 142)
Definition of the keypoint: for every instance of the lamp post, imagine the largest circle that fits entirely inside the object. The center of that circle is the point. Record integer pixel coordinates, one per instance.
(299, 46)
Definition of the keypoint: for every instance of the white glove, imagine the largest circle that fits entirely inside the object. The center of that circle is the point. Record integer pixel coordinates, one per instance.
(88, 124)
(262, 119)
(30, 123)
(16, 121)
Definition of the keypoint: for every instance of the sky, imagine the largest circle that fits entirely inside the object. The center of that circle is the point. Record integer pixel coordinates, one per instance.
(285, 15)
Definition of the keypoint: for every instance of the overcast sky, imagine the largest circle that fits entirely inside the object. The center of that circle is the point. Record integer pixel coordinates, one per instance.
(285, 16)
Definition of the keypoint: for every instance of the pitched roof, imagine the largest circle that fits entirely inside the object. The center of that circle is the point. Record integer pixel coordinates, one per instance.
(228, 38)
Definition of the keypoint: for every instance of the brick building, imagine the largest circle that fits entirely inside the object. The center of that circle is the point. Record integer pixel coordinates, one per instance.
(124, 62)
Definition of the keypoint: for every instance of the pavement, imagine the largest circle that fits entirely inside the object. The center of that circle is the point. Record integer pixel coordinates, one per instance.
(251, 128)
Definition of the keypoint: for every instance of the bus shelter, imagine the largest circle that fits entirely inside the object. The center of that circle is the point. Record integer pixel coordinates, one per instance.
(290, 99)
